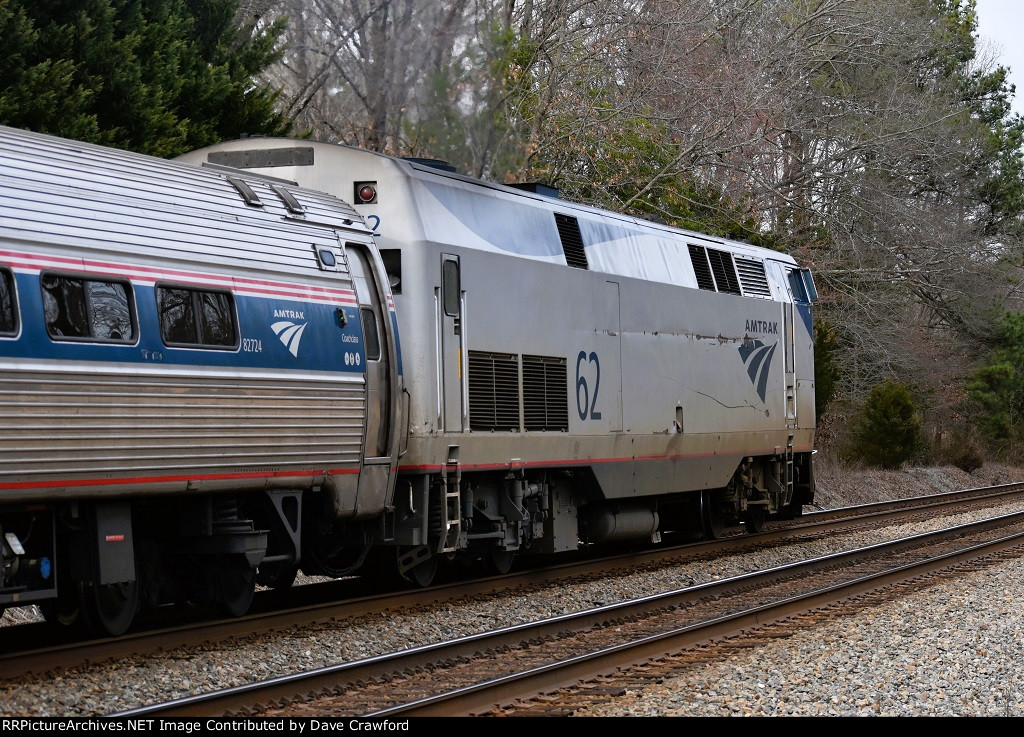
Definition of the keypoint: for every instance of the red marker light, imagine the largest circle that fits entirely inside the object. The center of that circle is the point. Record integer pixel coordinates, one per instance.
(366, 193)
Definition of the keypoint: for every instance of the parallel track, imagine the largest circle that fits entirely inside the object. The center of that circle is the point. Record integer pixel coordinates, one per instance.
(490, 673)
(339, 601)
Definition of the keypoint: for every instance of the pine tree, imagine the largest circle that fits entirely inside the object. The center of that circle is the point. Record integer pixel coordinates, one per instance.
(157, 76)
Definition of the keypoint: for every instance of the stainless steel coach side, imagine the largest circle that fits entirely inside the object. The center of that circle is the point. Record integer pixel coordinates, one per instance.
(573, 375)
(189, 374)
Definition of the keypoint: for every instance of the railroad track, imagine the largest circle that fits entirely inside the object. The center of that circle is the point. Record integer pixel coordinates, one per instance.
(522, 669)
(811, 526)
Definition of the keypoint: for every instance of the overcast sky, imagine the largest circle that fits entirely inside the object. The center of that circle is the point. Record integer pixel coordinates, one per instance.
(1001, 22)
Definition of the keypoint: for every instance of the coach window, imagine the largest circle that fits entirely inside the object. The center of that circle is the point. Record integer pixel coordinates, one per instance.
(87, 309)
(196, 318)
(8, 304)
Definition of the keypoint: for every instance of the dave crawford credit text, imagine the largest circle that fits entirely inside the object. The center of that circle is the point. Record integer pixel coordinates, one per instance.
(196, 726)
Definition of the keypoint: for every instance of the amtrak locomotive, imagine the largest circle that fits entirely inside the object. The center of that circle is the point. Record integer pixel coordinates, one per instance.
(275, 355)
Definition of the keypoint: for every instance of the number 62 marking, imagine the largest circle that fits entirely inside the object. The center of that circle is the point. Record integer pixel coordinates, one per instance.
(584, 403)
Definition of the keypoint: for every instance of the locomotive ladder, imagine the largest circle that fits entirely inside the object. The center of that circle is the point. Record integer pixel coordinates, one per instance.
(451, 507)
(789, 470)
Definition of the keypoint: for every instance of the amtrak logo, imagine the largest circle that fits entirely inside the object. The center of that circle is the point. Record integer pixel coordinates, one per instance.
(290, 334)
(757, 357)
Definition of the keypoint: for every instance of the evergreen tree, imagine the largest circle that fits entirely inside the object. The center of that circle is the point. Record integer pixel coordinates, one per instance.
(997, 388)
(827, 371)
(39, 93)
(889, 430)
(157, 76)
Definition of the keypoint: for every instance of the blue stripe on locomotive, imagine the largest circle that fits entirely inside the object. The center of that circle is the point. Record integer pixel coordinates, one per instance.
(322, 345)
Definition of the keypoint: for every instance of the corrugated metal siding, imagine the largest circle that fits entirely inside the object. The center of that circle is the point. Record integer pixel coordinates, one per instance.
(59, 425)
(116, 200)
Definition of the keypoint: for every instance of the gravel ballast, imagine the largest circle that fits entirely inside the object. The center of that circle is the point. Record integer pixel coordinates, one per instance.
(952, 649)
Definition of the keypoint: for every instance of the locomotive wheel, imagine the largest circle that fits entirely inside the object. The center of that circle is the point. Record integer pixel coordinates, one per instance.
(754, 521)
(109, 610)
(63, 610)
(406, 565)
(421, 574)
(277, 575)
(499, 562)
(711, 518)
(793, 510)
(237, 586)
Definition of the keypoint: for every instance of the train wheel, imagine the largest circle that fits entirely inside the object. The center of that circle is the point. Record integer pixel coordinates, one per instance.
(420, 573)
(237, 583)
(109, 610)
(499, 562)
(754, 521)
(711, 518)
(63, 610)
(277, 575)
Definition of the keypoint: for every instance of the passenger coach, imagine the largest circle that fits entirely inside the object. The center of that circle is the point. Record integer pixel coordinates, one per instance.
(186, 376)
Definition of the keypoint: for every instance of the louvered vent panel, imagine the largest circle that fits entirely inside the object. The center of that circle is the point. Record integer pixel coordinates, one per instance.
(572, 241)
(545, 397)
(701, 268)
(755, 283)
(493, 391)
(725, 273)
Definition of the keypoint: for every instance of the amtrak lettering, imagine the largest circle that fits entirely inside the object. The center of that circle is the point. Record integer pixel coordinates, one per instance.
(292, 314)
(762, 326)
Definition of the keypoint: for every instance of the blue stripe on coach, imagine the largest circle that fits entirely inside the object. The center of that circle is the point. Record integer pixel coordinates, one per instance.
(323, 346)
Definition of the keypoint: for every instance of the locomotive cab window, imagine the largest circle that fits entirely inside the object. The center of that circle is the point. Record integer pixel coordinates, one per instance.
(802, 285)
(87, 309)
(812, 291)
(8, 304)
(450, 287)
(196, 318)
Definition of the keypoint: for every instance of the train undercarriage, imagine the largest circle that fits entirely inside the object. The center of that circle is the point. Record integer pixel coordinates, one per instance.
(95, 564)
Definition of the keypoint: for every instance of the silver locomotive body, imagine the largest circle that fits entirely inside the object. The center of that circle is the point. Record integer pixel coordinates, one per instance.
(572, 375)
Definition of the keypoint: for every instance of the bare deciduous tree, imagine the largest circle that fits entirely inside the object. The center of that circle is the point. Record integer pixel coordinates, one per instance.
(857, 133)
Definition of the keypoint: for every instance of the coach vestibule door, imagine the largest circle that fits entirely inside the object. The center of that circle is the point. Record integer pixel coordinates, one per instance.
(450, 305)
(374, 320)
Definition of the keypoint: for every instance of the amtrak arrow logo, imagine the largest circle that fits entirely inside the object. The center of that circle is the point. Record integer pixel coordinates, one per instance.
(290, 334)
(757, 357)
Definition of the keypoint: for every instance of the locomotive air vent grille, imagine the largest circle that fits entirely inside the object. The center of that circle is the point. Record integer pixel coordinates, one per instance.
(724, 271)
(493, 391)
(545, 402)
(752, 277)
(701, 268)
(572, 241)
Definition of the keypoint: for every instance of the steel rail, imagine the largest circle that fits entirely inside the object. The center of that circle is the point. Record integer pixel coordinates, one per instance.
(489, 693)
